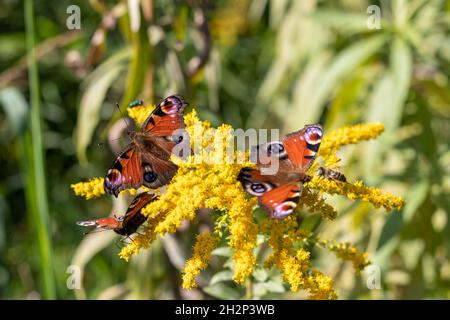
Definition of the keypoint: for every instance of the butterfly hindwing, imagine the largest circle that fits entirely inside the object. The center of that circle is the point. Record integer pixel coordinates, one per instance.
(254, 182)
(126, 172)
(281, 201)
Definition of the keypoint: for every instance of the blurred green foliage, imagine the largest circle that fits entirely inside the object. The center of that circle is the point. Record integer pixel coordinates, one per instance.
(252, 63)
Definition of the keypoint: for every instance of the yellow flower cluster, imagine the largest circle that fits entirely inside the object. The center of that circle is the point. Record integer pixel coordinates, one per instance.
(347, 252)
(315, 203)
(348, 135)
(91, 189)
(320, 286)
(206, 242)
(140, 113)
(358, 190)
(207, 179)
(295, 264)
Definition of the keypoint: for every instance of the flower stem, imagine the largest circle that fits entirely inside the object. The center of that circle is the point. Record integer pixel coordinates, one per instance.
(37, 190)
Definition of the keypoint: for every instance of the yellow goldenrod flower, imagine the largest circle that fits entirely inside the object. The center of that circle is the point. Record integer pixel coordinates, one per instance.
(140, 113)
(315, 203)
(94, 189)
(320, 286)
(348, 135)
(208, 179)
(358, 190)
(203, 247)
(91, 189)
(347, 252)
(294, 267)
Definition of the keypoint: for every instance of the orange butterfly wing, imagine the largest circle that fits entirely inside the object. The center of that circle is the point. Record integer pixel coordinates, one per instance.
(302, 146)
(166, 118)
(127, 224)
(281, 201)
(137, 165)
(126, 172)
(279, 192)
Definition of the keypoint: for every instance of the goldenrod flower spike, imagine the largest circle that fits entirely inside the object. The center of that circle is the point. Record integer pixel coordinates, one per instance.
(91, 189)
(358, 190)
(205, 244)
(94, 189)
(140, 113)
(347, 252)
(335, 139)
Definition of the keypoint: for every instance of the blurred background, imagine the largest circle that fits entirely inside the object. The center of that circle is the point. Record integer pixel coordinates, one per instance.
(249, 63)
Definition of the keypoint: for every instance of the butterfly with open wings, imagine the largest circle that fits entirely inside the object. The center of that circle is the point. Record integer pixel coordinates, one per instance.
(146, 160)
(279, 192)
(127, 224)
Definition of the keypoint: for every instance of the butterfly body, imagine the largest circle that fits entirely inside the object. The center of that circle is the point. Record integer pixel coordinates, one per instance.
(127, 224)
(146, 160)
(281, 170)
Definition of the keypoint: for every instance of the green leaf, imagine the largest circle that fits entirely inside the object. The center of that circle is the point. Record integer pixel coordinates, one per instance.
(260, 274)
(274, 286)
(16, 108)
(226, 275)
(90, 106)
(309, 101)
(222, 291)
(343, 21)
(414, 199)
(223, 252)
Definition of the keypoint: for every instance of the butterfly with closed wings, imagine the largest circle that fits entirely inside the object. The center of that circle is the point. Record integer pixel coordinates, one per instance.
(146, 160)
(279, 192)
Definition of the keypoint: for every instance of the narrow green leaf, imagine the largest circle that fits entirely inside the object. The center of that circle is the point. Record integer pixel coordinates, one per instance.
(344, 21)
(16, 108)
(310, 101)
(91, 102)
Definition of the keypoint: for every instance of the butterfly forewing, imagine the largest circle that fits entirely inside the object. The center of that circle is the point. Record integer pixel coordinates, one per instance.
(302, 146)
(166, 118)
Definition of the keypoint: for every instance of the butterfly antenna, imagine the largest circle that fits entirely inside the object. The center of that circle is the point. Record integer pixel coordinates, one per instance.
(102, 143)
(95, 231)
(125, 119)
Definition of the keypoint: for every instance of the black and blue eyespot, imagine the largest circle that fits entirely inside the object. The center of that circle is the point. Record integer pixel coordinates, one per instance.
(258, 187)
(275, 148)
(150, 177)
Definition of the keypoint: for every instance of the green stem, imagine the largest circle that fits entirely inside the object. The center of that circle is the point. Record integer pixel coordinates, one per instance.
(37, 189)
